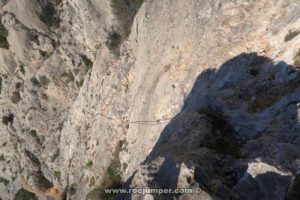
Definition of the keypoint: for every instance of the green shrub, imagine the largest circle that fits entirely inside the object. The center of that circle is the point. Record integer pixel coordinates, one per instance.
(16, 97)
(114, 169)
(89, 164)
(22, 69)
(18, 85)
(125, 12)
(73, 189)
(4, 181)
(113, 41)
(57, 174)
(79, 83)
(34, 134)
(293, 192)
(25, 195)
(44, 80)
(112, 178)
(87, 62)
(44, 54)
(50, 15)
(7, 119)
(3, 37)
(35, 82)
(69, 75)
(32, 157)
(3, 31)
(291, 34)
(34, 37)
(4, 43)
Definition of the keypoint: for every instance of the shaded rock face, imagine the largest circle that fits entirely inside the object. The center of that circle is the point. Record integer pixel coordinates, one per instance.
(154, 94)
(231, 152)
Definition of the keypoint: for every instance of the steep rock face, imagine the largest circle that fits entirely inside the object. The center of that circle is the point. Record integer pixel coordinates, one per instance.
(197, 38)
(77, 77)
(42, 71)
(202, 35)
(243, 144)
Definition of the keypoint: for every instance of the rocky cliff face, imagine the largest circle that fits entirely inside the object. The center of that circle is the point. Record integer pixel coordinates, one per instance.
(149, 94)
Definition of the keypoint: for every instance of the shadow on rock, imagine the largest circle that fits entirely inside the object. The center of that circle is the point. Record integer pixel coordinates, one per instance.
(236, 137)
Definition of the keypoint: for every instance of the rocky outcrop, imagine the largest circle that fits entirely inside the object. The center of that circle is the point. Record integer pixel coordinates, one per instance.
(241, 145)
